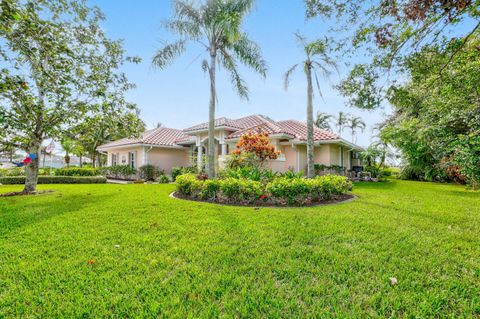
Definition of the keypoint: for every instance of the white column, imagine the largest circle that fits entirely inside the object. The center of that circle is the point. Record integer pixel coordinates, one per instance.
(224, 149)
(199, 157)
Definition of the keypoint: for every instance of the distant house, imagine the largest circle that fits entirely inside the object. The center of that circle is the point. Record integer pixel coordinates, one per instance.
(167, 147)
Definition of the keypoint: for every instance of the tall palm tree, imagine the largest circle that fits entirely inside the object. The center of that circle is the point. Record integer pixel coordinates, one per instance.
(341, 121)
(215, 25)
(355, 123)
(68, 146)
(316, 60)
(323, 121)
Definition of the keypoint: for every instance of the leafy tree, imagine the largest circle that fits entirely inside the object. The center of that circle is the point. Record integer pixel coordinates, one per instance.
(57, 67)
(217, 26)
(317, 59)
(257, 144)
(341, 121)
(388, 31)
(354, 123)
(68, 147)
(323, 121)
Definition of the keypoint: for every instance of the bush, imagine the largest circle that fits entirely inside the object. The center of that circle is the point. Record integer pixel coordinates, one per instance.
(279, 191)
(15, 171)
(249, 172)
(76, 171)
(56, 180)
(149, 172)
(176, 171)
(163, 179)
(120, 172)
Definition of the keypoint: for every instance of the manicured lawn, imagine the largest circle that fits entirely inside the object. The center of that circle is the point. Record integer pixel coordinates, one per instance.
(181, 259)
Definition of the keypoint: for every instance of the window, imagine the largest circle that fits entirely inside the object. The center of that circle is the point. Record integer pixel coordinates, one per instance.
(114, 160)
(131, 159)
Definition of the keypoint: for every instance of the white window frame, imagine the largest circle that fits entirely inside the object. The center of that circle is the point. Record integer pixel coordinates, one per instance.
(132, 159)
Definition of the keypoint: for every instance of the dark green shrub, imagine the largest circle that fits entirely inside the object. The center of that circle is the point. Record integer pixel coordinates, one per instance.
(176, 171)
(120, 172)
(240, 190)
(163, 179)
(76, 171)
(150, 172)
(56, 180)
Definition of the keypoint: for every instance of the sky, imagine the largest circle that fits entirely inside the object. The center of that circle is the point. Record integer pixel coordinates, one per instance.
(178, 96)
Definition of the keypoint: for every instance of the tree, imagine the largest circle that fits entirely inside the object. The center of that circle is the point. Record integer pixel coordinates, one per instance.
(316, 60)
(79, 150)
(215, 25)
(388, 32)
(68, 147)
(341, 121)
(258, 145)
(59, 66)
(354, 123)
(322, 121)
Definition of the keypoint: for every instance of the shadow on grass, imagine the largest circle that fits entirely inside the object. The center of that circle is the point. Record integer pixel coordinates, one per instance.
(17, 212)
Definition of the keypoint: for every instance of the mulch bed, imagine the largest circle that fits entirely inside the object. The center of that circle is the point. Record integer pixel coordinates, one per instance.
(340, 199)
(26, 194)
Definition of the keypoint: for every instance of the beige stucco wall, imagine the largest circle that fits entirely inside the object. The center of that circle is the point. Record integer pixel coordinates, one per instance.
(122, 156)
(321, 154)
(166, 158)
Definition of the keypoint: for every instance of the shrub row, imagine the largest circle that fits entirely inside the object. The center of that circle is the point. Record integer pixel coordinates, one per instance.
(279, 191)
(77, 171)
(56, 180)
(118, 171)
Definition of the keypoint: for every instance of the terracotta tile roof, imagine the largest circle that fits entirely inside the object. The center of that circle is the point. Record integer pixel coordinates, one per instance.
(162, 136)
(241, 123)
(299, 130)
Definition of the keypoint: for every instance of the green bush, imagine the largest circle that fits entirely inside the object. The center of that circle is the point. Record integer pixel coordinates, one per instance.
(56, 180)
(120, 172)
(279, 191)
(14, 171)
(176, 171)
(163, 179)
(150, 172)
(77, 171)
(249, 172)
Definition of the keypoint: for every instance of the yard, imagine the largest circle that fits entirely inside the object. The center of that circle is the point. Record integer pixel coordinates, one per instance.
(131, 251)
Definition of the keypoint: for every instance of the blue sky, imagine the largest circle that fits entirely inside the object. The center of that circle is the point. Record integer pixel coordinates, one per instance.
(178, 96)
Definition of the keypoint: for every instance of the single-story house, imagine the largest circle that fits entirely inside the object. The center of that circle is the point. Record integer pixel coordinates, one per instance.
(168, 147)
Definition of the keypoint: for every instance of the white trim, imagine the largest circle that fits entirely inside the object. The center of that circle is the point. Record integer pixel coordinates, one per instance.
(139, 145)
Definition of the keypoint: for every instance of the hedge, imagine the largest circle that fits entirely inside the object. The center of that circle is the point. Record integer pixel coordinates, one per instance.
(77, 171)
(279, 191)
(56, 180)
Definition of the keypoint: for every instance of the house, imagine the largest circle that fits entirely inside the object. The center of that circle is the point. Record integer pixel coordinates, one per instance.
(168, 147)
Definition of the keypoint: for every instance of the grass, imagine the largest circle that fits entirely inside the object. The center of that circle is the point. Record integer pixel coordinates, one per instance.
(131, 251)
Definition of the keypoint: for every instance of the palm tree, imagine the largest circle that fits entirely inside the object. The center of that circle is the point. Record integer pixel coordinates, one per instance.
(317, 59)
(342, 120)
(323, 121)
(355, 123)
(215, 25)
(68, 146)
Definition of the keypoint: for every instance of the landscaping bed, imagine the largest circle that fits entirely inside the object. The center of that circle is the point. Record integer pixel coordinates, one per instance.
(276, 191)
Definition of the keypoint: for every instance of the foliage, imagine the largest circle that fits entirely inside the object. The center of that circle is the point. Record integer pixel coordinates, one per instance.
(68, 147)
(177, 171)
(55, 180)
(249, 261)
(150, 172)
(322, 121)
(14, 171)
(217, 26)
(320, 169)
(387, 32)
(252, 189)
(163, 179)
(432, 117)
(77, 171)
(467, 157)
(252, 173)
(256, 144)
(58, 69)
(119, 172)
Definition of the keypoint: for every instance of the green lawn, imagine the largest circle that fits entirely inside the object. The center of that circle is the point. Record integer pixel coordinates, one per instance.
(182, 259)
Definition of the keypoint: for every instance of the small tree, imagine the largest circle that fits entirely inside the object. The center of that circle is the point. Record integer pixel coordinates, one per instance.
(467, 157)
(256, 144)
(68, 146)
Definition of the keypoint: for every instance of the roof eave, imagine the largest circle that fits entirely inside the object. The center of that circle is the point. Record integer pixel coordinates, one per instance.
(103, 148)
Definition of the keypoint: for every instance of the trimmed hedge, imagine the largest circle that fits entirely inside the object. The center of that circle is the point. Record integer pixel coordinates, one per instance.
(77, 171)
(279, 191)
(55, 180)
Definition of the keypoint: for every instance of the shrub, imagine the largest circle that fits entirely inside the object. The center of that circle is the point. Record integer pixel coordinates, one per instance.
(240, 191)
(176, 171)
(258, 144)
(120, 171)
(249, 172)
(188, 185)
(163, 179)
(14, 171)
(150, 172)
(56, 180)
(76, 171)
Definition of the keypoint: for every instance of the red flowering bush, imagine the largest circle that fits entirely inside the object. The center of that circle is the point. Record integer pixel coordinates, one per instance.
(256, 145)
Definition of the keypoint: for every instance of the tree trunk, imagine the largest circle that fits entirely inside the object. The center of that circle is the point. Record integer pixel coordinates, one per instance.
(211, 119)
(93, 159)
(31, 170)
(310, 147)
(81, 160)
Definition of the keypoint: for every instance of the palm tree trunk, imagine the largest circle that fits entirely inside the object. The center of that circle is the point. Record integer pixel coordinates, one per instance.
(211, 119)
(310, 147)
(81, 160)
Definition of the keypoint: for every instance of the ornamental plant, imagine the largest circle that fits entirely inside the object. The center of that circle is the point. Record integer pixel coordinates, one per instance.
(258, 145)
